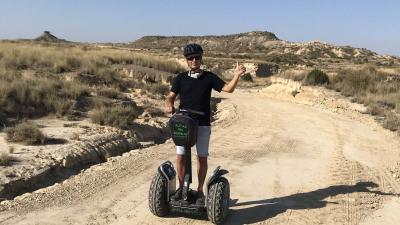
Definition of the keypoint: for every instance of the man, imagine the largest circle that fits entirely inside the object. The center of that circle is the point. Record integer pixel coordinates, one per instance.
(194, 88)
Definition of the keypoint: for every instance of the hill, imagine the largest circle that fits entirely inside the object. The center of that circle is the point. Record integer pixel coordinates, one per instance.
(48, 37)
(266, 46)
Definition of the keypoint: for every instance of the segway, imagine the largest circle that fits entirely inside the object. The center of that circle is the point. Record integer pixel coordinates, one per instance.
(184, 133)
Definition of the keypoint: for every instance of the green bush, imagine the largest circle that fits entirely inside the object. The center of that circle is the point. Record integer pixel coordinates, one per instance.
(27, 133)
(316, 77)
(247, 77)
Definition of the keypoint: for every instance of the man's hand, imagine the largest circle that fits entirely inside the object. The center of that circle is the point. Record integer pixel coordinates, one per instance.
(169, 109)
(240, 69)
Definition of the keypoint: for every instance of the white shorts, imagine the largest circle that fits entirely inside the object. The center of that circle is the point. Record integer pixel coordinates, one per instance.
(203, 140)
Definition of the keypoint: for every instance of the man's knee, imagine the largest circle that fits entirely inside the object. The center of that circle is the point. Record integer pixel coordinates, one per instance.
(202, 160)
(180, 159)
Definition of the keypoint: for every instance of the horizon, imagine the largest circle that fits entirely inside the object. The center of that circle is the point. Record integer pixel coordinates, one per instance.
(359, 24)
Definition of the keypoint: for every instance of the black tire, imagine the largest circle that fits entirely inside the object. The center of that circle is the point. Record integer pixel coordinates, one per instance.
(158, 195)
(218, 200)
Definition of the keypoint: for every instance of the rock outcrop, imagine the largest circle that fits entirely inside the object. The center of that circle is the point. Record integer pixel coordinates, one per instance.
(48, 37)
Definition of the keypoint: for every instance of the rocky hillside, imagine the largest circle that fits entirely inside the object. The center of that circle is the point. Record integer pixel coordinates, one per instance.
(265, 46)
(242, 42)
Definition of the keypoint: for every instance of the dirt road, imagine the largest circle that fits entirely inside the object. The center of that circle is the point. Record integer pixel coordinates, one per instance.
(289, 164)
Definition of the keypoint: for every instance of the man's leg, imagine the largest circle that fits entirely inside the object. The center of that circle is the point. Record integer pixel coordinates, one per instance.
(202, 167)
(180, 167)
(203, 140)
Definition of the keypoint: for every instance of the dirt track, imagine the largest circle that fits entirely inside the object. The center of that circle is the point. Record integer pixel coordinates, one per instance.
(288, 163)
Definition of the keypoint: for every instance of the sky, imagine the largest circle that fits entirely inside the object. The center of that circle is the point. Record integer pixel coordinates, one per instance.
(371, 24)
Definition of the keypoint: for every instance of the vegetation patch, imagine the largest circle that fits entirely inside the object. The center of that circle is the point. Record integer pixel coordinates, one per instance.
(316, 77)
(157, 88)
(392, 122)
(370, 87)
(26, 133)
(34, 97)
(121, 116)
(68, 80)
(6, 159)
(110, 93)
(375, 90)
(247, 77)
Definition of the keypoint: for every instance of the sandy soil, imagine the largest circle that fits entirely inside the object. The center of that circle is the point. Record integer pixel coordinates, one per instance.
(289, 163)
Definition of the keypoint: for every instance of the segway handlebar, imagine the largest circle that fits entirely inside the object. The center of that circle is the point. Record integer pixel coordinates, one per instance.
(192, 111)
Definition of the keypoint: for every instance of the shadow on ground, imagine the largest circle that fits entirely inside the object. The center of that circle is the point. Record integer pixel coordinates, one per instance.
(55, 141)
(269, 208)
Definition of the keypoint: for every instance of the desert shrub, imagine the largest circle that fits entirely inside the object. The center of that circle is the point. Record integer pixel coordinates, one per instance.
(372, 88)
(99, 76)
(152, 109)
(247, 77)
(104, 77)
(27, 133)
(3, 119)
(316, 77)
(74, 90)
(33, 97)
(155, 112)
(157, 88)
(120, 116)
(375, 109)
(369, 86)
(357, 82)
(296, 75)
(5, 159)
(109, 93)
(392, 122)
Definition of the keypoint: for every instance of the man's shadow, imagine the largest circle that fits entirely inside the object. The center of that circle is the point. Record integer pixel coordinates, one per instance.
(269, 208)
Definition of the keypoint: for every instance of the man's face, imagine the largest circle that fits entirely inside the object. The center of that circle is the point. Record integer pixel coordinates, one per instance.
(194, 61)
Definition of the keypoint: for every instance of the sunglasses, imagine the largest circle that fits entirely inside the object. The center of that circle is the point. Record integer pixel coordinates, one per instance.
(190, 58)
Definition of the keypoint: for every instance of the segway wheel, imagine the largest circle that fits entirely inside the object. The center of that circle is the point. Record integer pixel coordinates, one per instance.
(218, 200)
(158, 195)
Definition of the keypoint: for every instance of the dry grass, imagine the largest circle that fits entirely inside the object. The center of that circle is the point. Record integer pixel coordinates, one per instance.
(110, 93)
(372, 88)
(59, 58)
(26, 133)
(32, 81)
(6, 159)
(392, 122)
(296, 75)
(369, 86)
(121, 116)
(33, 97)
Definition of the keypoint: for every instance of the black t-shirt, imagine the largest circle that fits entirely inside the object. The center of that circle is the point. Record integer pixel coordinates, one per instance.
(195, 93)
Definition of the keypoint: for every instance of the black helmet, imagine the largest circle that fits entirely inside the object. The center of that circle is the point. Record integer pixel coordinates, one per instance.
(192, 49)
